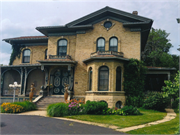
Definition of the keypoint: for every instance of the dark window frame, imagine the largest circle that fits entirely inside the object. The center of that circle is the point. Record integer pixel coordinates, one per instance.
(106, 79)
(46, 53)
(98, 44)
(90, 79)
(113, 46)
(118, 79)
(23, 57)
(63, 46)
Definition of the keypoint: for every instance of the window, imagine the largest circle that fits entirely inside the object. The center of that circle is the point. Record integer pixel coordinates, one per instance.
(26, 56)
(113, 43)
(103, 78)
(118, 79)
(62, 47)
(46, 54)
(107, 24)
(101, 44)
(90, 79)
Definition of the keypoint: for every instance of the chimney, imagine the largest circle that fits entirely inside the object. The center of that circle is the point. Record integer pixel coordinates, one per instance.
(135, 12)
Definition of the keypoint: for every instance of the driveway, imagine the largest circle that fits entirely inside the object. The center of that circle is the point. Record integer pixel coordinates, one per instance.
(26, 124)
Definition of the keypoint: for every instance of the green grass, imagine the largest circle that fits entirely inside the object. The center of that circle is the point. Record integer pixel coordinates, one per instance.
(123, 121)
(169, 127)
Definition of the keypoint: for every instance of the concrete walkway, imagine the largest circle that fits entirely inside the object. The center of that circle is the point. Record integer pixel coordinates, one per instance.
(170, 115)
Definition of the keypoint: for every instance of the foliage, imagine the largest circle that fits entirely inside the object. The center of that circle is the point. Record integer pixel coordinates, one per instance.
(172, 87)
(157, 48)
(57, 109)
(95, 107)
(130, 110)
(134, 81)
(175, 104)
(76, 107)
(16, 51)
(27, 106)
(155, 101)
(11, 108)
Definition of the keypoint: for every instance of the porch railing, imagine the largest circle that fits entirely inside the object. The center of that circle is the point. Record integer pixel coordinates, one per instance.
(59, 57)
(119, 54)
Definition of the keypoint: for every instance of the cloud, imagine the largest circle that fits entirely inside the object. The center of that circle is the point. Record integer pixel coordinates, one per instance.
(4, 58)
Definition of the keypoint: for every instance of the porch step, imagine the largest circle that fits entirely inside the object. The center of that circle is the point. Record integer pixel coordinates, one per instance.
(42, 104)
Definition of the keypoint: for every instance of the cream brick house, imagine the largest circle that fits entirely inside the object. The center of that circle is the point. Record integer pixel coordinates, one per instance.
(88, 54)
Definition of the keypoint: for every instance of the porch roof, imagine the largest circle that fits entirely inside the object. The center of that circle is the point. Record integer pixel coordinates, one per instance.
(57, 61)
(150, 68)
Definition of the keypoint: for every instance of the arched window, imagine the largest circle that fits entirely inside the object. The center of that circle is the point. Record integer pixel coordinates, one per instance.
(62, 47)
(118, 79)
(90, 78)
(101, 44)
(46, 54)
(26, 56)
(113, 44)
(103, 78)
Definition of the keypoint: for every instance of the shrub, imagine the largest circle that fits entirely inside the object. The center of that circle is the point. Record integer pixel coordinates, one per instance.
(134, 76)
(95, 107)
(27, 106)
(155, 101)
(11, 108)
(175, 103)
(129, 110)
(57, 109)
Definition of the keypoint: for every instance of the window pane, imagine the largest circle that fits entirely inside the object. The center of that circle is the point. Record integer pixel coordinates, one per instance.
(26, 52)
(118, 79)
(113, 42)
(101, 44)
(26, 59)
(63, 42)
(103, 78)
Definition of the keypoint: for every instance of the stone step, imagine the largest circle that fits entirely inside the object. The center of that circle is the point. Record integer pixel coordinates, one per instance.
(42, 109)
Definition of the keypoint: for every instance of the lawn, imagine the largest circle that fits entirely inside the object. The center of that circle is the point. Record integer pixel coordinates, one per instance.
(164, 128)
(123, 121)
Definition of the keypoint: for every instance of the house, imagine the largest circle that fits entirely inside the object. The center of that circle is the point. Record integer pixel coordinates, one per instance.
(88, 54)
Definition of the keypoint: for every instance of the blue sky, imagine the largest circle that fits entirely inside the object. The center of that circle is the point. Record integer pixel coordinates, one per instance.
(20, 18)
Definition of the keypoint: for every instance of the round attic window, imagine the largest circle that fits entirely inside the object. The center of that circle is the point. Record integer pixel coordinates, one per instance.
(107, 24)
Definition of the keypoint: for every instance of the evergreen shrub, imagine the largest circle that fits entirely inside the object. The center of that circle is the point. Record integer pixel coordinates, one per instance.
(155, 101)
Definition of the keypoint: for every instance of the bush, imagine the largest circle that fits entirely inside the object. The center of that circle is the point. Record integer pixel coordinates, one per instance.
(134, 76)
(175, 103)
(95, 107)
(11, 108)
(27, 106)
(57, 109)
(136, 101)
(155, 101)
(129, 110)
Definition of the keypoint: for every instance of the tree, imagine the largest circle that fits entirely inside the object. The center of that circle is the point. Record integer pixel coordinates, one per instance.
(157, 48)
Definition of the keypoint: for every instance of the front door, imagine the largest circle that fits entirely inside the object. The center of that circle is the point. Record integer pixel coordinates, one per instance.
(60, 77)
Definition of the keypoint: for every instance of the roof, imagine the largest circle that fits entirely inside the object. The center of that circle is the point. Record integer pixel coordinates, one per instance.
(56, 61)
(21, 65)
(129, 20)
(27, 39)
(105, 57)
(160, 68)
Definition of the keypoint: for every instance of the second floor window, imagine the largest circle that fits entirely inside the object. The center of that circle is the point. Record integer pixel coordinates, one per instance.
(113, 43)
(26, 56)
(62, 47)
(101, 44)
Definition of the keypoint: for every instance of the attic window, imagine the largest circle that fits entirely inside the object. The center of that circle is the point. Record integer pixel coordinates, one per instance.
(107, 24)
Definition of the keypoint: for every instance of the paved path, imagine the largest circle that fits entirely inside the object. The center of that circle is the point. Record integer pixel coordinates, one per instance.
(170, 115)
(23, 124)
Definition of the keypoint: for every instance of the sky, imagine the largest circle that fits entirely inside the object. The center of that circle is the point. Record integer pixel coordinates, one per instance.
(21, 17)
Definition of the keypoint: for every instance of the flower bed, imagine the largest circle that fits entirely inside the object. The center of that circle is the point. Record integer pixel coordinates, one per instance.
(17, 107)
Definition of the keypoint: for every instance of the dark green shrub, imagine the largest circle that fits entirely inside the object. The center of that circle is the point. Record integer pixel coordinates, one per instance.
(95, 107)
(136, 101)
(27, 106)
(175, 103)
(57, 109)
(129, 110)
(155, 101)
(134, 81)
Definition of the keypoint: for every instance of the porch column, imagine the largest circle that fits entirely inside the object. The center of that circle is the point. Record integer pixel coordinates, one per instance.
(22, 82)
(25, 81)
